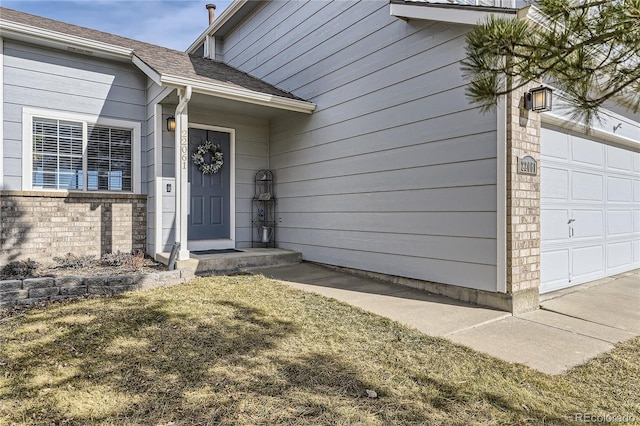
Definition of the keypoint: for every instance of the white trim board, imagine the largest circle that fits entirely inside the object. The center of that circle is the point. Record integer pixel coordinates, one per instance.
(239, 94)
(448, 13)
(566, 123)
(1, 113)
(501, 188)
(157, 176)
(63, 41)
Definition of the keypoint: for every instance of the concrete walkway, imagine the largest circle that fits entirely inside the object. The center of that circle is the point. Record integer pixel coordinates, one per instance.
(573, 325)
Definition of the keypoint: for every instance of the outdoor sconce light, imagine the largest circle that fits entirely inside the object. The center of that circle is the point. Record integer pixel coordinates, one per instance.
(539, 99)
(171, 124)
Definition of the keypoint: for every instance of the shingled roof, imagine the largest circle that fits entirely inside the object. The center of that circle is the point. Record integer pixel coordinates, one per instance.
(162, 60)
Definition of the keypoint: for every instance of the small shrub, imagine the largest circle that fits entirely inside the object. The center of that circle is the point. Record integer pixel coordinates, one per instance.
(72, 261)
(137, 260)
(20, 269)
(115, 259)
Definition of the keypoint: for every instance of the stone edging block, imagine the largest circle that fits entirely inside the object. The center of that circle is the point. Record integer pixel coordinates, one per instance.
(33, 290)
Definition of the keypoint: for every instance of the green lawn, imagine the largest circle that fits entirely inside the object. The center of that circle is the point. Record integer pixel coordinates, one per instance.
(247, 350)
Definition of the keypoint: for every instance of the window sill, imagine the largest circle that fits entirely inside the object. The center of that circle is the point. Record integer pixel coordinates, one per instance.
(71, 194)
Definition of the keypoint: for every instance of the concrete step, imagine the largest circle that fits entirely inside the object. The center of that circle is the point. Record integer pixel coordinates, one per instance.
(226, 263)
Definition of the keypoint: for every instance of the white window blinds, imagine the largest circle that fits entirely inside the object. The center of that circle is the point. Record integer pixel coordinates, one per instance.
(57, 154)
(60, 156)
(108, 159)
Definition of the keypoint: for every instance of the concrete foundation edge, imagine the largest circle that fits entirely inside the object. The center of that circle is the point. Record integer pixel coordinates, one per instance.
(515, 303)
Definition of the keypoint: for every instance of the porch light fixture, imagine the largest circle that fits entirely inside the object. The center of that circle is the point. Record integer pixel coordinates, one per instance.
(539, 99)
(171, 124)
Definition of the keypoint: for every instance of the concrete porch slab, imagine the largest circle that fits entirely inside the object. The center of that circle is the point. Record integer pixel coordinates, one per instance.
(232, 262)
(224, 263)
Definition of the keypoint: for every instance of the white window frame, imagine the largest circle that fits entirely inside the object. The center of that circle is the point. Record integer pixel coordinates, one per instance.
(87, 120)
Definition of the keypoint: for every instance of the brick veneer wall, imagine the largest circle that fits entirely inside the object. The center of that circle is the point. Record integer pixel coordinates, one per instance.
(523, 200)
(40, 224)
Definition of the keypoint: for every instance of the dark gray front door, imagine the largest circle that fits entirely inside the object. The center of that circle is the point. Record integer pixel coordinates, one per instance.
(209, 216)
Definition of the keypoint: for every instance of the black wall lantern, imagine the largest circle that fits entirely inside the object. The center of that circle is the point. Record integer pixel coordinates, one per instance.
(539, 99)
(171, 124)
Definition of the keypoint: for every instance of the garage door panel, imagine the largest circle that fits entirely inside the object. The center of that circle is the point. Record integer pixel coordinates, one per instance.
(588, 223)
(590, 209)
(557, 229)
(555, 183)
(619, 190)
(586, 186)
(619, 255)
(554, 144)
(619, 222)
(619, 158)
(556, 269)
(587, 151)
(587, 261)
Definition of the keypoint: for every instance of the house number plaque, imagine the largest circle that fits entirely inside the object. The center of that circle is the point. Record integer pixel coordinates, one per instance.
(527, 166)
(184, 149)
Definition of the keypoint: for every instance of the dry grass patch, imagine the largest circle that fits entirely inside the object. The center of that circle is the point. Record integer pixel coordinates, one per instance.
(247, 350)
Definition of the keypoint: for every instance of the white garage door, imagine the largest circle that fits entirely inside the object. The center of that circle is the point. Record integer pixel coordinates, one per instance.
(590, 209)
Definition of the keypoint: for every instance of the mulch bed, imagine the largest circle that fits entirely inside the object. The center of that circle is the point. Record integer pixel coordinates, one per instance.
(93, 268)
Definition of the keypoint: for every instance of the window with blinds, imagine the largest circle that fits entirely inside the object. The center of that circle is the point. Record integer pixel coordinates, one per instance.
(60, 160)
(57, 154)
(108, 159)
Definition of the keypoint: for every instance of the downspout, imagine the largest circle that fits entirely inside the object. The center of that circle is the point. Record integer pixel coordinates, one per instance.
(182, 171)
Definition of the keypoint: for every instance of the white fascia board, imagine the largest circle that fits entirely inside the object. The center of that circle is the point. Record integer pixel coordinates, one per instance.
(564, 122)
(41, 36)
(226, 14)
(147, 70)
(239, 94)
(446, 13)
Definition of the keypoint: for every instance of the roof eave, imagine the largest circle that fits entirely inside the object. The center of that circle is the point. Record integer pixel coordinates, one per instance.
(239, 94)
(147, 70)
(75, 44)
(448, 13)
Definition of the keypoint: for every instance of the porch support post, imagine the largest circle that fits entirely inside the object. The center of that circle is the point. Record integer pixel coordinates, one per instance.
(182, 171)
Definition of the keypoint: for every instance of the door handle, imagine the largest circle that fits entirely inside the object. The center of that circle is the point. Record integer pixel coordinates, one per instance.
(571, 227)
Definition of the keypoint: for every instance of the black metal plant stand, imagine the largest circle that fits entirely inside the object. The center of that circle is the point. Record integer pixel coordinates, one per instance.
(263, 210)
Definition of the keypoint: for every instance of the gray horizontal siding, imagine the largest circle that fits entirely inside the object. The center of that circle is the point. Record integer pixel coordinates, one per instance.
(443, 224)
(395, 172)
(412, 266)
(480, 198)
(55, 80)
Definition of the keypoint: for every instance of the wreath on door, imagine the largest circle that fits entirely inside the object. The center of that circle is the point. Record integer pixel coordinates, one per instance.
(216, 158)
